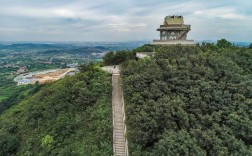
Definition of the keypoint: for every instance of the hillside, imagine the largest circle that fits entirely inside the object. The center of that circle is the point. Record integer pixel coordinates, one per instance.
(189, 101)
(183, 101)
(69, 117)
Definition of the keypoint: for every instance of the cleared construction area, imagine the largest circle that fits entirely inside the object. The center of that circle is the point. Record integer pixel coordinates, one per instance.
(43, 76)
(51, 76)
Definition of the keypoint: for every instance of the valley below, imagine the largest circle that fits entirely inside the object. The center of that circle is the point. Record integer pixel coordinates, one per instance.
(26, 63)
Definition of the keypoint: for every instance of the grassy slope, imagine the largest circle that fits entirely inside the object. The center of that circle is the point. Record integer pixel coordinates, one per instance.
(69, 117)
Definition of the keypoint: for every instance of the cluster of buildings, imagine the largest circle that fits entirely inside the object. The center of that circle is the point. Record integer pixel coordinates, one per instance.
(21, 70)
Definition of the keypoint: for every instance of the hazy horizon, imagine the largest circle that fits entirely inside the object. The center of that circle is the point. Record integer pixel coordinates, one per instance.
(121, 21)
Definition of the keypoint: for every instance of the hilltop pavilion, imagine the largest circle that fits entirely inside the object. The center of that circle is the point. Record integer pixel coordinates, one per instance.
(173, 31)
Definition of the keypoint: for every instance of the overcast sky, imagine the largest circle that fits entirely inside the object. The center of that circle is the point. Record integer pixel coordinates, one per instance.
(121, 20)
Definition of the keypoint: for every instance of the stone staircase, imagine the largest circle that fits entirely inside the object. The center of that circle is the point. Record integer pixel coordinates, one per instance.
(120, 147)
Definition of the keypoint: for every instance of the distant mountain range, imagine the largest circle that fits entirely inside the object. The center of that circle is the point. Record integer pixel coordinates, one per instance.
(116, 45)
(242, 44)
(103, 46)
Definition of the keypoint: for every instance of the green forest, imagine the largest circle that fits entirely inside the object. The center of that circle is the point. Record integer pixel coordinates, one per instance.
(189, 101)
(69, 117)
(185, 100)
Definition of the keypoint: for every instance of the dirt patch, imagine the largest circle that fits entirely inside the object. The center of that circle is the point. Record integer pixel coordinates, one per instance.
(51, 76)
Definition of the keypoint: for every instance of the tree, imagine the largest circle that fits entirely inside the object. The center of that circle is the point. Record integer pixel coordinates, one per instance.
(118, 57)
(145, 48)
(189, 101)
(51, 120)
(250, 46)
(223, 43)
(108, 58)
(47, 142)
(8, 144)
(177, 143)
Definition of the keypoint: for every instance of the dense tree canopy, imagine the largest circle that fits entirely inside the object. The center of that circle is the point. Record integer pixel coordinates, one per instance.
(183, 101)
(115, 58)
(68, 117)
(190, 101)
(18, 95)
(223, 43)
(250, 46)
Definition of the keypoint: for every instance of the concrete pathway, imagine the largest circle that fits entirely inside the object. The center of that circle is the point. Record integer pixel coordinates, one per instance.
(112, 69)
(120, 145)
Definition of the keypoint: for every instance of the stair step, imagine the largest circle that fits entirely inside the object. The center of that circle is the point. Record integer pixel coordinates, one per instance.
(118, 118)
(120, 147)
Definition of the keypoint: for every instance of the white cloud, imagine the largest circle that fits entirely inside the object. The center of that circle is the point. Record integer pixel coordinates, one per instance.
(8, 30)
(121, 20)
(223, 12)
(64, 13)
(36, 12)
(126, 27)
